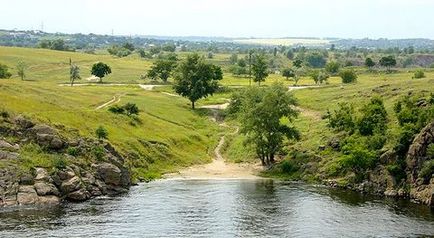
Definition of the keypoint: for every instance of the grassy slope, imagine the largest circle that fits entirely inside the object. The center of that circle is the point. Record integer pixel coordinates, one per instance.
(188, 135)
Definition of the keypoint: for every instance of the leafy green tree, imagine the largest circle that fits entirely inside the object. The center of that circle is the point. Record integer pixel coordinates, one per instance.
(74, 73)
(260, 69)
(348, 76)
(288, 73)
(4, 72)
(369, 63)
(342, 119)
(161, 69)
(21, 69)
(332, 67)
(101, 133)
(195, 79)
(169, 47)
(100, 70)
(261, 112)
(315, 59)
(129, 46)
(388, 62)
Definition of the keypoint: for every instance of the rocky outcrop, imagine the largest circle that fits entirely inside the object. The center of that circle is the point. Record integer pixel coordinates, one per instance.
(50, 186)
(421, 189)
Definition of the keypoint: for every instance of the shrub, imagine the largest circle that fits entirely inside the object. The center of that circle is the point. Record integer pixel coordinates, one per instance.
(357, 157)
(4, 72)
(288, 167)
(332, 67)
(418, 74)
(131, 109)
(59, 163)
(430, 151)
(374, 118)
(348, 76)
(98, 153)
(342, 119)
(116, 109)
(4, 113)
(72, 151)
(101, 133)
(396, 171)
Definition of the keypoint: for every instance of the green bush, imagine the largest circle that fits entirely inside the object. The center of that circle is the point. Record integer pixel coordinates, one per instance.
(374, 118)
(4, 114)
(116, 109)
(357, 156)
(418, 74)
(396, 171)
(4, 72)
(342, 119)
(98, 153)
(348, 76)
(73, 151)
(288, 167)
(101, 133)
(59, 163)
(430, 151)
(131, 109)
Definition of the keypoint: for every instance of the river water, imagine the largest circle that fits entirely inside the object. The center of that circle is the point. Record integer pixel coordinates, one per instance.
(224, 208)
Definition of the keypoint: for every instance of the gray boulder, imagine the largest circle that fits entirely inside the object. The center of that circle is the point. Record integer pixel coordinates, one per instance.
(27, 195)
(70, 185)
(23, 122)
(43, 189)
(5, 155)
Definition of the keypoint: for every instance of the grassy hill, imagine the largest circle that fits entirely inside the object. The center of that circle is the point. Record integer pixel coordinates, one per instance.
(166, 136)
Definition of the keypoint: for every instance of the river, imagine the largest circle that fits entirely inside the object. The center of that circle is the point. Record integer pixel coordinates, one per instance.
(224, 208)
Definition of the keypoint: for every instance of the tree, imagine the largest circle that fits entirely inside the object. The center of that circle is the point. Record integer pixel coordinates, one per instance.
(261, 112)
(332, 67)
(74, 73)
(129, 46)
(288, 73)
(315, 60)
(297, 63)
(195, 79)
(161, 69)
(21, 69)
(290, 54)
(4, 72)
(348, 76)
(100, 70)
(260, 69)
(101, 133)
(369, 63)
(318, 76)
(388, 62)
(374, 118)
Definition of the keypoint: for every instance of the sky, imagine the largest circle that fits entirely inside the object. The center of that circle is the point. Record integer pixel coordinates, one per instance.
(229, 18)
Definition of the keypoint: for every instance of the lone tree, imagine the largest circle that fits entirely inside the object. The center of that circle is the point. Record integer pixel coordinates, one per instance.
(195, 79)
(161, 69)
(388, 62)
(288, 73)
(369, 63)
(100, 70)
(21, 69)
(332, 67)
(260, 69)
(261, 112)
(74, 73)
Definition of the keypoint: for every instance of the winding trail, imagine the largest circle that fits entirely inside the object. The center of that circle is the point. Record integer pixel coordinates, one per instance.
(115, 99)
(219, 168)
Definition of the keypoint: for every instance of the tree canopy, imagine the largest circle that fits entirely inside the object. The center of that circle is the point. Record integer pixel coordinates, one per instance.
(100, 70)
(195, 79)
(261, 112)
(259, 68)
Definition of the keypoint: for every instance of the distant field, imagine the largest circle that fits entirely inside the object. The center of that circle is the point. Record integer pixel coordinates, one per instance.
(284, 41)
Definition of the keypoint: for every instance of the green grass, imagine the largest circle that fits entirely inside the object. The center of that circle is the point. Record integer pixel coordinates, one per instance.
(167, 136)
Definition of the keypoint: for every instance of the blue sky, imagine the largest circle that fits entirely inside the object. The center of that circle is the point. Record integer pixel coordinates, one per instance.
(232, 18)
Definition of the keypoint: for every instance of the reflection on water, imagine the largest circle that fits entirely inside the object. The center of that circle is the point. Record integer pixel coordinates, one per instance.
(224, 208)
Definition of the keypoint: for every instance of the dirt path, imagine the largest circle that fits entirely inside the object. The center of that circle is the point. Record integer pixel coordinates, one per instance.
(219, 168)
(310, 113)
(115, 99)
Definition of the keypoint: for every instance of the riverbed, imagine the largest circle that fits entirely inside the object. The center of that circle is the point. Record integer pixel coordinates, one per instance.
(224, 208)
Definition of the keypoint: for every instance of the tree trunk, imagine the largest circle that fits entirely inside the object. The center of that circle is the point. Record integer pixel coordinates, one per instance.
(192, 105)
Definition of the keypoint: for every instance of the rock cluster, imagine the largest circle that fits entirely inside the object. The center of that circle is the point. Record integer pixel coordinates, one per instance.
(53, 185)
